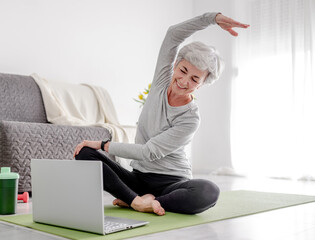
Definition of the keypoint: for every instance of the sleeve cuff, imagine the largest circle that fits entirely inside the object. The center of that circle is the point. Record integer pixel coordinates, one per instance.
(211, 17)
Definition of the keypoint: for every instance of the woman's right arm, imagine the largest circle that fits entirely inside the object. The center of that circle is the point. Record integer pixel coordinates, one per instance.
(175, 35)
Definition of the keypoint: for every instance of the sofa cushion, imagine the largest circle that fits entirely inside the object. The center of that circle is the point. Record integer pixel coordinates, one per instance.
(20, 142)
(20, 99)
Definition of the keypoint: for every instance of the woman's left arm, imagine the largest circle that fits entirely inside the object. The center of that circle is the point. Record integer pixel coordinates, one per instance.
(160, 145)
(86, 143)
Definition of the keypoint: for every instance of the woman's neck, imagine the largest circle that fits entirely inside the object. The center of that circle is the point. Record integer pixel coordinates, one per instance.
(177, 100)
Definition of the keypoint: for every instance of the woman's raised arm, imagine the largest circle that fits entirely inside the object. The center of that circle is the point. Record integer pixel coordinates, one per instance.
(177, 34)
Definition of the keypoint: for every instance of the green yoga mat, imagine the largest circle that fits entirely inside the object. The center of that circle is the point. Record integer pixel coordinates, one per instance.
(230, 205)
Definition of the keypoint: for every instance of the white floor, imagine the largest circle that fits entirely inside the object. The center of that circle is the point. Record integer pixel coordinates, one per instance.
(293, 223)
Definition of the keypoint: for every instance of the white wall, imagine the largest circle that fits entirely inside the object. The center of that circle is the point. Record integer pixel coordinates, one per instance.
(114, 44)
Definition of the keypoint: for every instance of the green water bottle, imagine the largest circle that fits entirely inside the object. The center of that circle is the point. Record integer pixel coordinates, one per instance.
(8, 191)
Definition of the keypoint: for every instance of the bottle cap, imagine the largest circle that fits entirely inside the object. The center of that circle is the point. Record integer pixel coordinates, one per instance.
(7, 174)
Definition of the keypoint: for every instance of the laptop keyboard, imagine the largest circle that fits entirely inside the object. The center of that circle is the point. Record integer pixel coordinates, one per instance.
(112, 226)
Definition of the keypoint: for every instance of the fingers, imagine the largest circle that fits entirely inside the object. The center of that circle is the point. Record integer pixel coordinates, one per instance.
(229, 21)
(233, 24)
(232, 32)
(238, 24)
(78, 149)
(229, 28)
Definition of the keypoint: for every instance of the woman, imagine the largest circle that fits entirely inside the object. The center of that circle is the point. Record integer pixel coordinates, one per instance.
(161, 179)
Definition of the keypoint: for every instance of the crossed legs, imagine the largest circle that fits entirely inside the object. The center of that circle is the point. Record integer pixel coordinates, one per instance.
(150, 192)
(122, 184)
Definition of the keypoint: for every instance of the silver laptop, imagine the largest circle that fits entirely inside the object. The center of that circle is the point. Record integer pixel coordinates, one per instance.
(69, 193)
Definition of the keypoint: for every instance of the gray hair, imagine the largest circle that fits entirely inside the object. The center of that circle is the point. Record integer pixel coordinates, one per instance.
(204, 58)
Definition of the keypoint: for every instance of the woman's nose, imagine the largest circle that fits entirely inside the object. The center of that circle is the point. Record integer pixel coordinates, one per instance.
(184, 80)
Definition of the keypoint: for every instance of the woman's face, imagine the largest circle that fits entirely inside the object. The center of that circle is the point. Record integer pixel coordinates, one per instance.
(187, 78)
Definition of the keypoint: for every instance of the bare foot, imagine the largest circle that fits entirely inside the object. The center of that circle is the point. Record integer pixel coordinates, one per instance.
(120, 203)
(147, 204)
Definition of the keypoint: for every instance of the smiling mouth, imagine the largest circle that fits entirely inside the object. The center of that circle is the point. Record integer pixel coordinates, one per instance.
(178, 85)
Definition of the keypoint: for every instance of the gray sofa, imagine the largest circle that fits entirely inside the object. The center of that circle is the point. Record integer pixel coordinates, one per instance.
(25, 132)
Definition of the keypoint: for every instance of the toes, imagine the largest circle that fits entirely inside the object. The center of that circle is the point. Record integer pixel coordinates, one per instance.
(120, 203)
(157, 208)
(115, 202)
(160, 212)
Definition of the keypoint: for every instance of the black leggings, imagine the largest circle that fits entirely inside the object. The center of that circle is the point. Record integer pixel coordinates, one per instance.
(175, 194)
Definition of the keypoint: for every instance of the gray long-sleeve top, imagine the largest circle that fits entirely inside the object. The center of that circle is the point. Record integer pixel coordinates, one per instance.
(163, 130)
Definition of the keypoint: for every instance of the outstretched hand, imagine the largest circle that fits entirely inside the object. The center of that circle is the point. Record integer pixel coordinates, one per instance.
(228, 23)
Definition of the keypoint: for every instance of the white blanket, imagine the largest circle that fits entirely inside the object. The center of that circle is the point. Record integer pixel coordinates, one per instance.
(83, 105)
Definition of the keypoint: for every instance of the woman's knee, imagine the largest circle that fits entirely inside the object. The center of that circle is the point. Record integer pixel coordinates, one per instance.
(85, 153)
(206, 195)
(212, 193)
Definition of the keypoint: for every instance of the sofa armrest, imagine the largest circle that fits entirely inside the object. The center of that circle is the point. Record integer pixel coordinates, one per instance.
(21, 141)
